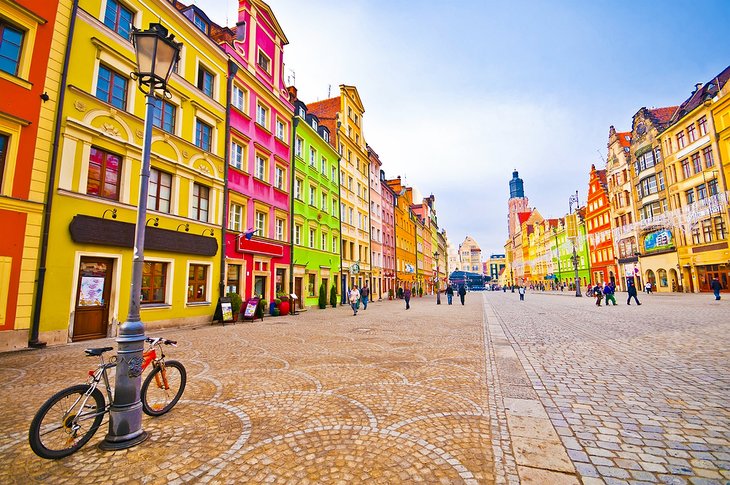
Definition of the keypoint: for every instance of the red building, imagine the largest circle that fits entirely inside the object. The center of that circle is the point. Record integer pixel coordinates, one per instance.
(598, 227)
(29, 83)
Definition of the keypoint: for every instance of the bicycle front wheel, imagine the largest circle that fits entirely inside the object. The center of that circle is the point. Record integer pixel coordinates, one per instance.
(163, 388)
(66, 422)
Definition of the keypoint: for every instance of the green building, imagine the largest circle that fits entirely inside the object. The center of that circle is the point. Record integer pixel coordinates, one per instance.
(315, 204)
(562, 250)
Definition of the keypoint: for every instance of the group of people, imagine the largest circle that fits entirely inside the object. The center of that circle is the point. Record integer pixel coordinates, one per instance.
(450, 293)
(357, 296)
(608, 290)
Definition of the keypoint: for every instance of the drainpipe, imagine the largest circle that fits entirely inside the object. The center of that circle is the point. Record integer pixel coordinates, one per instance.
(232, 70)
(292, 178)
(370, 232)
(343, 283)
(38, 301)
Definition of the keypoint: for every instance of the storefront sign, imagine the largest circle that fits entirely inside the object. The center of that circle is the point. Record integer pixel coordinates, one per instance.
(658, 241)
(259, 247)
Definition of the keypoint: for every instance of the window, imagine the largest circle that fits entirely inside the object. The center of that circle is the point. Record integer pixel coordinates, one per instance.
(324, 202)
(154, 276)
(709, 160)
(201, 199)
(298, 234)
(260, 222)
(160, 188)
(237, 155)
(263, 61)
(235, 217)
(701, 192)
(686, 173)
(164, 115)
(205, 81)
(702, 123)
(298, 147)
(312, 196)
(203, 135)
(4, 141)
(323, 166)
(334, 207)
(334, 173)
(298, 189)
(691, 133)
(111, 87)
(334, 244)
(707, 231)
(696, 163)
(326, 135)
(260, 172)
(280, 229)
(323, 242)
(280, 130)
(312, 157)
(311, 280)
(660, 180)
(719, 228)
(279, 180)
(312, 235)
(262, 115)
(712, 187)
(200, 23)
(104, 174)
(238, 96)
(233, 278)
(690, 195)
(197, 282)
(680, 140)
(118, 18)
(11, 43)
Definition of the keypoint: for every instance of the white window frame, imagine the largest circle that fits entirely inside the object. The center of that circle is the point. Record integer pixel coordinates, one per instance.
(262, 115)
(259, 170)
(235, 217)
(237, 159)
(239, 97)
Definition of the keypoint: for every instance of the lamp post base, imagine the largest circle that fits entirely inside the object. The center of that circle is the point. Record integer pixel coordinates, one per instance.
(107, 445)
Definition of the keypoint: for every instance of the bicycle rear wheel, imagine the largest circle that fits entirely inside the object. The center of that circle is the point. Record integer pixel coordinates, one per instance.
(163, 388)
(66, 422)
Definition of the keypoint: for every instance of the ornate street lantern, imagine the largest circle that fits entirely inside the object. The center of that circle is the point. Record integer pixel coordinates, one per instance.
(157, 53)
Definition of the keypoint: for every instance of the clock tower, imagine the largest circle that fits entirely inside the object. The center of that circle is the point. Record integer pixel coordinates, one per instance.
(517, 203)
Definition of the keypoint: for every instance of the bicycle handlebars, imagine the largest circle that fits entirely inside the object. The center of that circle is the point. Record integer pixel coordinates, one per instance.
(156, 340)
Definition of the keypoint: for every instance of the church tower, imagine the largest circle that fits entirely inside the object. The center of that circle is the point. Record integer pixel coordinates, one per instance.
(517, 203)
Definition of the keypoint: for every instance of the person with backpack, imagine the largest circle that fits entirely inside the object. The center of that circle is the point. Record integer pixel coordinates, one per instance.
(632, 293)
(462, 293)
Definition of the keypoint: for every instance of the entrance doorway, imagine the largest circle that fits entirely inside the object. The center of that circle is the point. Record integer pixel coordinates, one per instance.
(91, 315)
(298, 292)
(259, 286)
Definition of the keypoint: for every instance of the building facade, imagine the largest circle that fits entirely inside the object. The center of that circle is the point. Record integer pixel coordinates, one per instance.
(97, 183)
(405, 236)
(316, 205)
(32, 49)
(598, 225)
(376, 225)
(720, 113)
(389, 247)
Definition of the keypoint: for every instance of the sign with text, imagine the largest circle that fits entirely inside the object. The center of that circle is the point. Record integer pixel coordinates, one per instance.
(249, 313)
(259, 247)
(571, 225)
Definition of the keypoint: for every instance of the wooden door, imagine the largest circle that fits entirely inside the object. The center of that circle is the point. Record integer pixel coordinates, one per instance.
(91, 317)
(298, 292)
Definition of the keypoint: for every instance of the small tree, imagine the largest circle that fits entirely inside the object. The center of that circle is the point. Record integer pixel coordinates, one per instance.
(236, 303)
(322, 297)
(333, 296)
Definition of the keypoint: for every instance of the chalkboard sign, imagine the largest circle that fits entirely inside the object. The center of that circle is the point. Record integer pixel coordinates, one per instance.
(224, 311)
(249, 313)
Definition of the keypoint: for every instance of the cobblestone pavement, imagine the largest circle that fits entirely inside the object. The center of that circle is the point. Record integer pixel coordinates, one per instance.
(387, 396)
(637, 394)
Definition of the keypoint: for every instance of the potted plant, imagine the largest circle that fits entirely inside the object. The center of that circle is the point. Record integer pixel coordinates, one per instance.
(390, 294)
(261, 309)
(322, 297)
(236, 303)
(420, 291)
(333, 296)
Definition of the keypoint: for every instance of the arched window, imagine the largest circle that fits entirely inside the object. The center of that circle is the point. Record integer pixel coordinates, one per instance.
(662, 277)
(650, 277)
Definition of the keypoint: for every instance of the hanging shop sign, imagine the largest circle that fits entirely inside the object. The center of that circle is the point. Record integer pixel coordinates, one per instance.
(658, 241)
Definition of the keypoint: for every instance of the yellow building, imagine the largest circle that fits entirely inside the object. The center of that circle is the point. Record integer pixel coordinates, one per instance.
(405, 235)
(696, 187)
(97, 184)
(347, 109)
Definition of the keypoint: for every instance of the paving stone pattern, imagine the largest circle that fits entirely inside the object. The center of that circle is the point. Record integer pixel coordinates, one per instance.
(387, 396)
(637, 394)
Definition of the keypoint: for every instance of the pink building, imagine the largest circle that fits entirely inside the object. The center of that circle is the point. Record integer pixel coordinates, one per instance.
(376, 225)
(388, 226)
(257, 248)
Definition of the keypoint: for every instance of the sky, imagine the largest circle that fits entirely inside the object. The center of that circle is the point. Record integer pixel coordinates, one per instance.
(460, 93)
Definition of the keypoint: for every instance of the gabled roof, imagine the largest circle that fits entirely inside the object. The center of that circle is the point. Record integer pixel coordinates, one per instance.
(661, 117)
(327, 108)
(523, 216)
(352, 91)
(624, 138)
(707, 91)
(274, 23)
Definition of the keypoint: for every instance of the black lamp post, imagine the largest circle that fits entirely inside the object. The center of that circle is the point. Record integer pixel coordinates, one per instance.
(573, 199)
(157, 54)
(438, 279)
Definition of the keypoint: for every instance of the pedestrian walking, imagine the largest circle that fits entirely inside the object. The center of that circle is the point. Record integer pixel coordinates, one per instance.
(632, 293)
(521, 291)
(449, 293)
(364, 296)
(716, 287)
(354, 299)
(608, 291)
(407, 297)
(647, 287)
(462, 293)
(400, 292)
(598, 293)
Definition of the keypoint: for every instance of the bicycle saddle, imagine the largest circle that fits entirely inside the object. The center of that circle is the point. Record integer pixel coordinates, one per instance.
(97, 351)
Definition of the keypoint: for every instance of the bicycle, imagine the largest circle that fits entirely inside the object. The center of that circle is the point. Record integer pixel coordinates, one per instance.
(589, 292)
(59, 427)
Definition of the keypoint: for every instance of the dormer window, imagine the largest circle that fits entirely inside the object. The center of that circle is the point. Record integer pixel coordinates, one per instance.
(200, 23)
(326, 135)
(263, 61)
(314, 123)
(302, 112)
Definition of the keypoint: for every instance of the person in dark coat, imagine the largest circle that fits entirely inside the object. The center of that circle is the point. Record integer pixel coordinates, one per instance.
(716, 287)
(365, 296)
(449, 293)
(407, 297)
(632, 293)
(462, 293)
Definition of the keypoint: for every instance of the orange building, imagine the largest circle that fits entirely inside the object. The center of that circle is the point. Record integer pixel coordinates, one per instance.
(598, 226)
(29, 83)
(405, 235)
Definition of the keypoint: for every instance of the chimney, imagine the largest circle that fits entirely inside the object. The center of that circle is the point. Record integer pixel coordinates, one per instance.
(697, 87)
(292, 93)
(240, 31)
